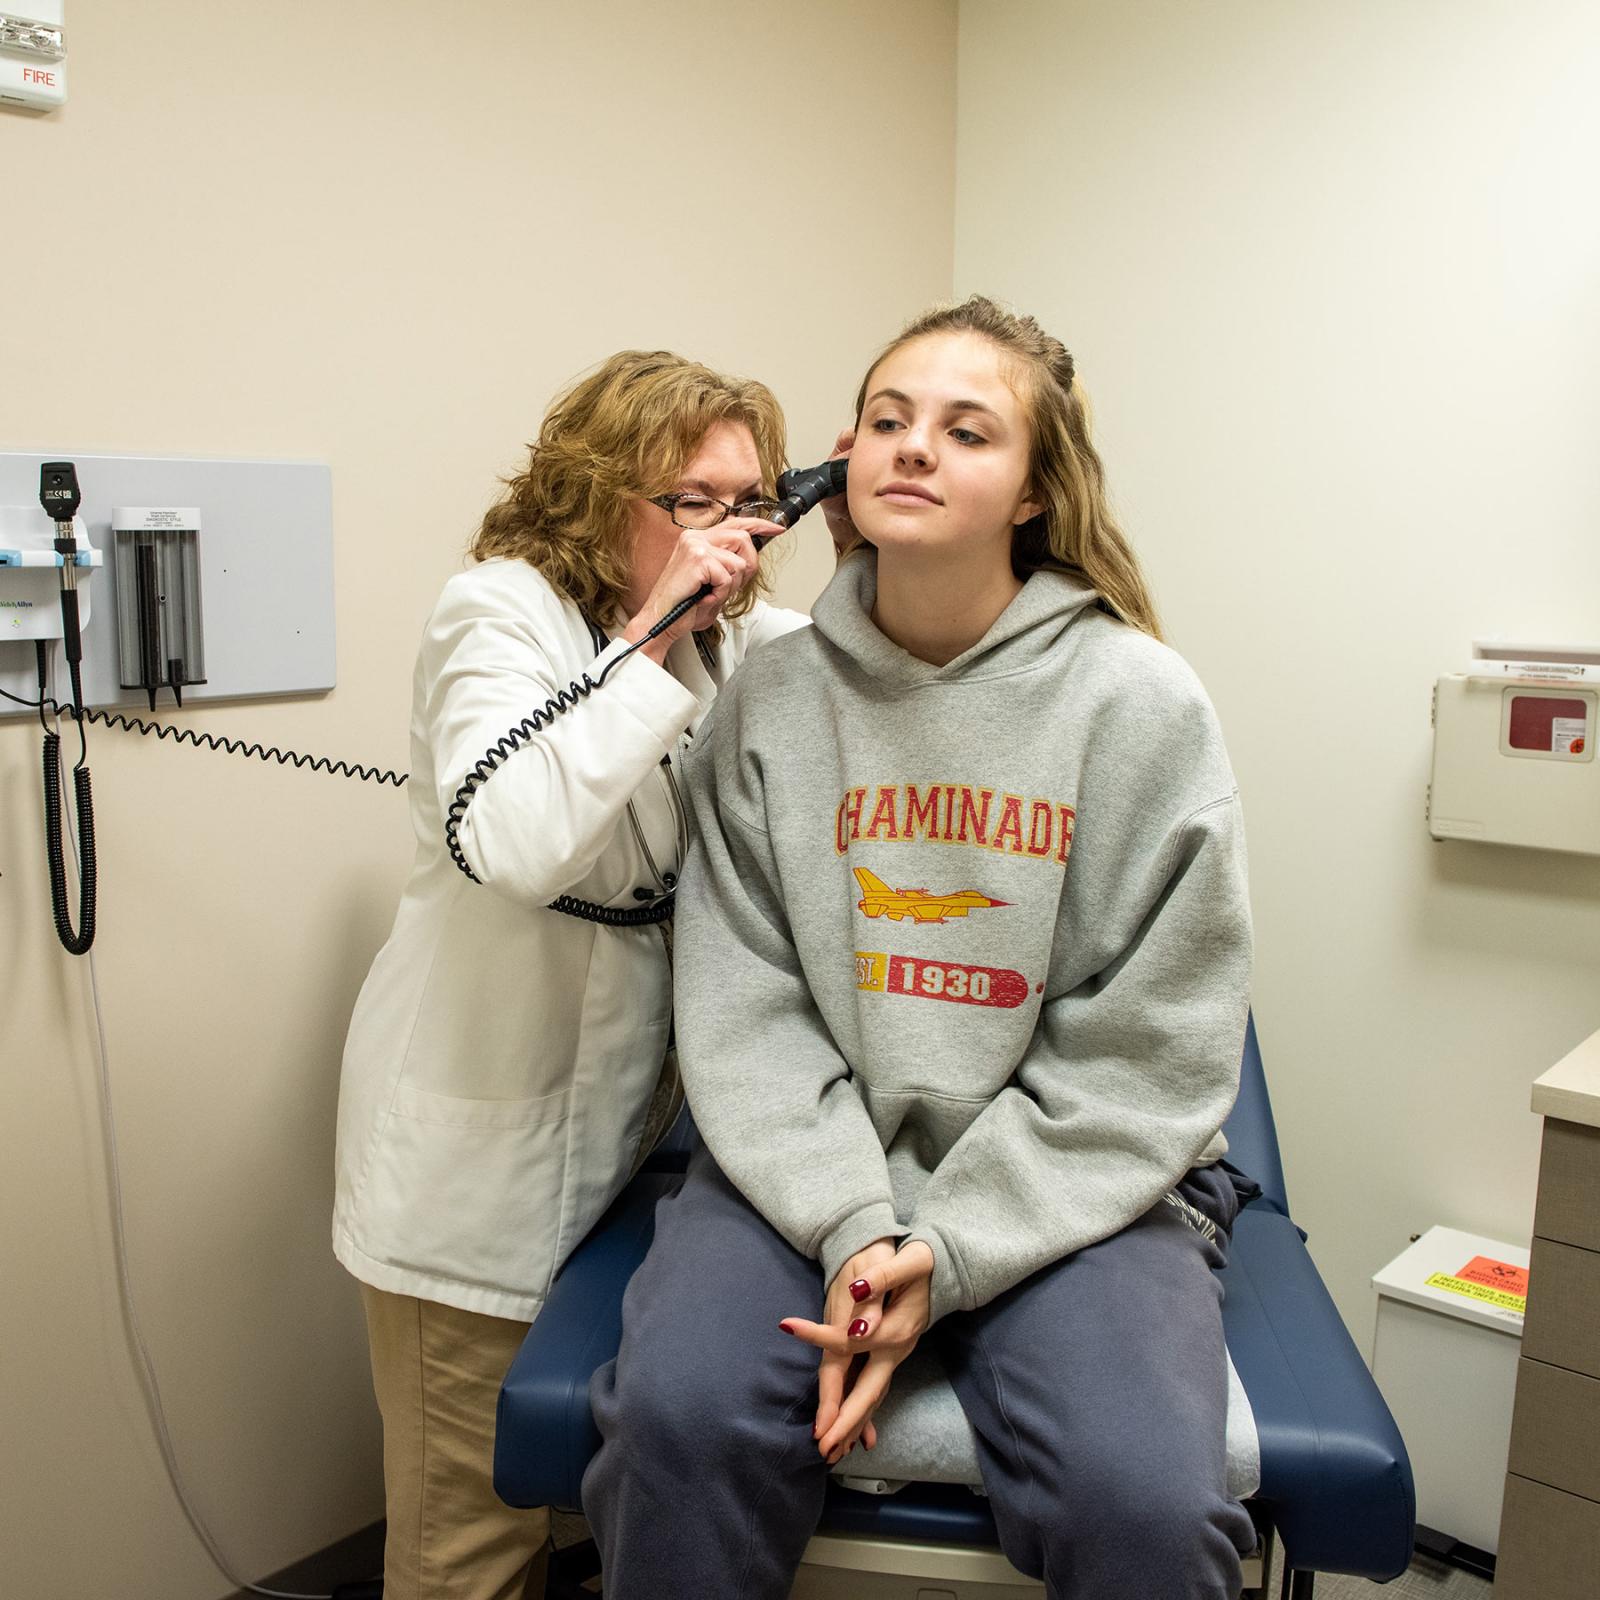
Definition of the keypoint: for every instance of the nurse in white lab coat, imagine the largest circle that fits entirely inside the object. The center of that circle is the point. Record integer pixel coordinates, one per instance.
(506, 1053)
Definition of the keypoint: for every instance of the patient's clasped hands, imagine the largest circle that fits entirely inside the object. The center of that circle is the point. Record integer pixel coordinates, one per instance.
(877, 1309)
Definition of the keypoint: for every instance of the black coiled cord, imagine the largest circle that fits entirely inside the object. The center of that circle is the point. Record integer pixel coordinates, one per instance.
(76, 943)
(208, 741)
(568, 905)
(512, 741)
(239, 747)
(614, 916)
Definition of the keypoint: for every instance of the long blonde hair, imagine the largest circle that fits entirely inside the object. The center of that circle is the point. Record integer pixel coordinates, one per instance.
(626, 429)
(1076, 531)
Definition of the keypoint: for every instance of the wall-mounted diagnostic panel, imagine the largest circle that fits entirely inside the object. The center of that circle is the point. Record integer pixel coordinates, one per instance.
(1514, 748)
(211, 580)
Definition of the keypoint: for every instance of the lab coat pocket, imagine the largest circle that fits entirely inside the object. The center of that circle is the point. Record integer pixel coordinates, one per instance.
(455, 1178)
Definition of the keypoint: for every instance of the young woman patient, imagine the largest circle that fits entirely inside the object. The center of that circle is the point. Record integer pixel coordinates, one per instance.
(963, 957)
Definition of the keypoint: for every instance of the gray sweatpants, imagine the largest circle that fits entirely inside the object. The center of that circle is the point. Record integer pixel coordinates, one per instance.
(1097, 1389)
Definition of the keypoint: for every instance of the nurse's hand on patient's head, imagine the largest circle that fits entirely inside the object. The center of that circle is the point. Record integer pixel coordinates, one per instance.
(878, 1307)
(836, 508)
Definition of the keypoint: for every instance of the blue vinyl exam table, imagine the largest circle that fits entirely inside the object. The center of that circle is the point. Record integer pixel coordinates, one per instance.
(1335, 1487)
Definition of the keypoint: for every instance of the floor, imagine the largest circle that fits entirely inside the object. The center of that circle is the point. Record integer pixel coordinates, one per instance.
(1426, 1580)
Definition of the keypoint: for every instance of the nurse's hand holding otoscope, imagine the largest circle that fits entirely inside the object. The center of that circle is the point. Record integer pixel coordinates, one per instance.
(711, 564)
(722, 564)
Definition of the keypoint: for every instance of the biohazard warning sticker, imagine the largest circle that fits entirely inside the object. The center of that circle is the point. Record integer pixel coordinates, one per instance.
(1489, 1282)
(1566, 735)
(917, 979)
(1494, 1274)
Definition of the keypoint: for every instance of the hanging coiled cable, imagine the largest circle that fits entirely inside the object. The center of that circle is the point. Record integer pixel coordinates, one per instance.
(614, 916)
(211, 741)
(240, 747)
(75, 941)
(521, 733)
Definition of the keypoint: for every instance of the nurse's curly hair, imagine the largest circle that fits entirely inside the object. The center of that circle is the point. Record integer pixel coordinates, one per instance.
(625, 430)
(1076, 532)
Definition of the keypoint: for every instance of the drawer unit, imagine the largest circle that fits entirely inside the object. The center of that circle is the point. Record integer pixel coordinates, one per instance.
(1550, 1527)
(1549, 1544)
(1569, 1185)
(1563, 1323)
(1556, 1429)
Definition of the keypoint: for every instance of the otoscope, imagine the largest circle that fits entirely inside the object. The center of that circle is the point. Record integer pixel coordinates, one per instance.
(60, 497)
(799, 490)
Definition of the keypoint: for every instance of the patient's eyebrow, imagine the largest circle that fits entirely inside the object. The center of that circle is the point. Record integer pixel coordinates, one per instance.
(949, 405)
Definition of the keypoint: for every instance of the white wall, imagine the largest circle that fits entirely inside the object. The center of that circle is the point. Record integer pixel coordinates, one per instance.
(1330, 272)
(377, 247)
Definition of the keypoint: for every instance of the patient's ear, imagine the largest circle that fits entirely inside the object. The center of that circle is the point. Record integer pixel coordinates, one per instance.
(1029, 508)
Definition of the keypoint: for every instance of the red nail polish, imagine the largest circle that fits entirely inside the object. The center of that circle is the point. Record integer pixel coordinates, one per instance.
(860, 1290)
(859, 1328)
(788, 1327)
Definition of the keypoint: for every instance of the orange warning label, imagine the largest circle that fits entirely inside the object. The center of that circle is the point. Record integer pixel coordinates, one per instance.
(1494, 1274)
(1500, 1299)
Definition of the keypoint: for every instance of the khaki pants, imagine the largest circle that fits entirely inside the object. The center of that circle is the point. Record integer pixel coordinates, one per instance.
(437, 1373)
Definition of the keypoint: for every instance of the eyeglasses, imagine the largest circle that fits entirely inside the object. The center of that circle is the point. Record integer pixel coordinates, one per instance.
(700, 511)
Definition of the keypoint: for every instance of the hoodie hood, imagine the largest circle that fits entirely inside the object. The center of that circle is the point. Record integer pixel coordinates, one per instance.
(1022, 636)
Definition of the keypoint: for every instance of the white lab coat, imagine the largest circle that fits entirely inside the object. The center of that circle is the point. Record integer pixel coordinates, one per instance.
(502, 1056)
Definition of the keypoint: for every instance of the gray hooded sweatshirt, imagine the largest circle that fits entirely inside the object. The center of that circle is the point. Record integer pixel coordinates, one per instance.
(963, 952)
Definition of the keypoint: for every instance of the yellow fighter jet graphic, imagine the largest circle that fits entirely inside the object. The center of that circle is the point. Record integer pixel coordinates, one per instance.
(921, 905)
